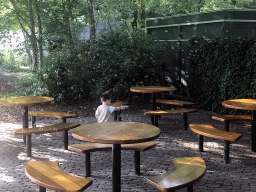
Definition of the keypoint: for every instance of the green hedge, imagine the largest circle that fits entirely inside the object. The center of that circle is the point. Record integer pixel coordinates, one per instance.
(114, 62)
(221, 69)
(128, 59)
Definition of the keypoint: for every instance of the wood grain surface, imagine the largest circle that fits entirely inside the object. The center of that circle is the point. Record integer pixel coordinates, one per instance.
(152, 89)
(116, 132)
(170, 112)
(210, 131)
(244, 104)
(48, 175)
(186, 171)
(53, 114)
(24, 100)
(47, 129)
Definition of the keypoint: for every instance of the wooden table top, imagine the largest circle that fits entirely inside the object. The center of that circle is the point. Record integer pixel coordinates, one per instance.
(116, 132)
(244, 104)
(152, 89)
(24, 100)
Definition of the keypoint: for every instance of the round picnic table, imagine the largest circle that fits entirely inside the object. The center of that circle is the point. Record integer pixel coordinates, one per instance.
(245, 104)
(116, 133)
(25, 101)
(152, 90)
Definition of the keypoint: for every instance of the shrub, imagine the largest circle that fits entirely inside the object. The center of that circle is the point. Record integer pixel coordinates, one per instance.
(30, 84)
(66, 74)
(128, 59)
(221, 69)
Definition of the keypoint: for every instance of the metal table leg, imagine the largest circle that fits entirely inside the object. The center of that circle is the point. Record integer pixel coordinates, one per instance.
(116, 169)
(25, 121)
(253, 132)
(25, 126)
(153, 107)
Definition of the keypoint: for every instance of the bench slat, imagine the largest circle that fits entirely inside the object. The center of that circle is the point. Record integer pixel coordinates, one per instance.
(174, 102)
(170, 112)
(210, 131)
(53, 114)
(186, 171)
(48, 175)
(223, 118)
(91, 147)
(118, 103)
(47, 129)
(138, 146)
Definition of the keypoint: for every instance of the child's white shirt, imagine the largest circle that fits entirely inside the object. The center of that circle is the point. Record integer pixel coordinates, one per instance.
(103, 113)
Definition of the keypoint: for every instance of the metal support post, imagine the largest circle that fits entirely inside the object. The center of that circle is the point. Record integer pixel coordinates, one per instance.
(88, 164)
(201, 143)
(116, 169)
(137, 162)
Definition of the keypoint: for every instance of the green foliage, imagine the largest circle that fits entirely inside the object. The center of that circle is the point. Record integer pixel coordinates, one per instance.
(66, 74)
(125, 60)
(9, 62)
(221, 69)
(31, 84)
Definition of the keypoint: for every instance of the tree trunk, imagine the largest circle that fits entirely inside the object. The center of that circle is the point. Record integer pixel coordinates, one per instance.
(135, 17)
(33, 35)
(66, 17)
(91, 21)
(27, 48)
(40, 36)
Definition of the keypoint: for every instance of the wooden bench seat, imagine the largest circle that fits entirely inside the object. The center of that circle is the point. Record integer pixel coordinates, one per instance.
(186, 171)
(183, 111)
(49, 129)
(87, 148)
(50, 114)
(210, 131)
(48, 175)
(174, 102)
(230, 118)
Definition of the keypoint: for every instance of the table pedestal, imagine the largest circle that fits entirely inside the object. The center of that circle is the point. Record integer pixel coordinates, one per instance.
(25, 121)
(27, 139)
(153, 108)
(116, 168)
(253, 132)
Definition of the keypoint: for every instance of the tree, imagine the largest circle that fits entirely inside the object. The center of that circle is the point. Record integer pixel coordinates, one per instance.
(25, 13)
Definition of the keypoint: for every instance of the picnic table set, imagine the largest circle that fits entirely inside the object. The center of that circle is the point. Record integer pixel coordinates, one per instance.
(120, 135)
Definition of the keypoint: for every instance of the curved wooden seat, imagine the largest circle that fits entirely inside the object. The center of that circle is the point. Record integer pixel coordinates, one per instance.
(210, 131)
(50, 114)
(186, 171)
(183, 111)
(53, 114)
(48, 175)
(170, 112)
(228, 118)
(174, 102)
(49, 129)
(92, 147)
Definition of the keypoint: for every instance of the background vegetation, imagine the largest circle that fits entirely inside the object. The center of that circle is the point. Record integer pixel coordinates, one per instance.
(114, 62)
(221, 69)
(67, 67)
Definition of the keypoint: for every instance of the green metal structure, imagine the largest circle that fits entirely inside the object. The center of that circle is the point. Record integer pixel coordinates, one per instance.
(221, 23)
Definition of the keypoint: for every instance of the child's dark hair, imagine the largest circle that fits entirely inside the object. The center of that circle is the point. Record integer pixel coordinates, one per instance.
(105, 96)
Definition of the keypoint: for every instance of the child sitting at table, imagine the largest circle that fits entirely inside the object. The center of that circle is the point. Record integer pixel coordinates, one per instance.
(103, 112)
